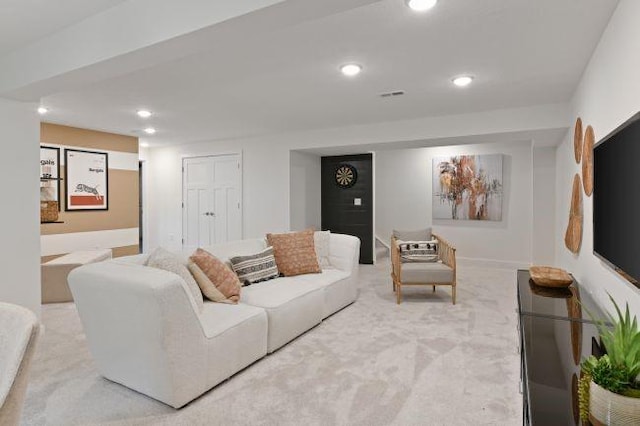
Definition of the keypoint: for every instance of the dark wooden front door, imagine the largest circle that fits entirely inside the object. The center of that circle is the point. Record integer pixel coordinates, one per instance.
(347, 206)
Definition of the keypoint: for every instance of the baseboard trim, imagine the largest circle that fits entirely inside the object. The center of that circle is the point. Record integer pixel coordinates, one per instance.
(381, 241)
(492, 263)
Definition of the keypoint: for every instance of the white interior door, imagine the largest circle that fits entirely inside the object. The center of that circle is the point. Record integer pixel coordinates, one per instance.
(212, 194)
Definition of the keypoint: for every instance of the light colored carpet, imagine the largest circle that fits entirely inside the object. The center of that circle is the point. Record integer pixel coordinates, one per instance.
(424, 362)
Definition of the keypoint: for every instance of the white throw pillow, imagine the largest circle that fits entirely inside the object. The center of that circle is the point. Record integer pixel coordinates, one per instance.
(167, 261)
(321, 241)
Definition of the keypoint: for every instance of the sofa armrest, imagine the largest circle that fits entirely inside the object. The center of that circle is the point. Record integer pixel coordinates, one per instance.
(141, 327)
(344, 252)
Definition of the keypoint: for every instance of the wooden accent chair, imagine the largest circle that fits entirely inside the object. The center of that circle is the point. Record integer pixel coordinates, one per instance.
(434, 274)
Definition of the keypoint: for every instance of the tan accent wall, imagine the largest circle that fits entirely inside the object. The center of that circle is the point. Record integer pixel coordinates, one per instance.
(123, 208)
(124, 188)
(84, 138)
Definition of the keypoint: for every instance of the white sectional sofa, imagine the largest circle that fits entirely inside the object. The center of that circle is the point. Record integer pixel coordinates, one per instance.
(146, 332)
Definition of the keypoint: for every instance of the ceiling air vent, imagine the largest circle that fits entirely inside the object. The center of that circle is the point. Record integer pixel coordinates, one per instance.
(392, 94)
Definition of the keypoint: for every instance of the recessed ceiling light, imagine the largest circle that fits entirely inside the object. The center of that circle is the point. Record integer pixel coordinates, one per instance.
(351, 70)
(421, 5)
(463, 80)
(42, 110)
(144, 144)
(149, 130)
(143, 113)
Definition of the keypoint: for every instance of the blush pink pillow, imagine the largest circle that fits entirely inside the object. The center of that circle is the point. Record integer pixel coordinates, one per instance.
(225, 280)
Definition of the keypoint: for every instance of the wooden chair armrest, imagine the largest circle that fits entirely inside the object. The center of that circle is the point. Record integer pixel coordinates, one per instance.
(446, 252)
(395, 257)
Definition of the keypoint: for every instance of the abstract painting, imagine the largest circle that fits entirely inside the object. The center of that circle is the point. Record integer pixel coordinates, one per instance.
(467, 187)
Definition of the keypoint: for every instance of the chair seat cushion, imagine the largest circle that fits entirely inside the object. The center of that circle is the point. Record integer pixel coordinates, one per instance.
(427, 272)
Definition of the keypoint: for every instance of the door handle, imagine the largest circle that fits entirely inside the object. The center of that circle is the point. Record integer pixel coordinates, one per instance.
(209, 214)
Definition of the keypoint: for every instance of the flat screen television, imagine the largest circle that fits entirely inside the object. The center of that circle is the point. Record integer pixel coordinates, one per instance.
(616, 199)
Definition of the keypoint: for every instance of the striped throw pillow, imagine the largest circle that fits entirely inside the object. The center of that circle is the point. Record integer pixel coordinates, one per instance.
(418, 251)
(256, 267)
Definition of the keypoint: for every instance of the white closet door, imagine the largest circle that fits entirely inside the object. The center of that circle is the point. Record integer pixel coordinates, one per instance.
(212, 193)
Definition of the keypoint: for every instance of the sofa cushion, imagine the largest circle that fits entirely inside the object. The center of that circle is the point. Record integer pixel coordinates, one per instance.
(255, 268)
(225, 280)
(437, 273)
(167, 261)
(295, 252)
(235, 336)
(418, 235)
(339, 288)
(327, 277)
(209, 289)
(321, 240)
(293, 306)
(273, 293)
(217, 318)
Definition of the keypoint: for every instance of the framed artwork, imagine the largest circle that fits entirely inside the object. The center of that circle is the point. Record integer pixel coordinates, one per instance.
(50, 174)
(87, 180)
(467, 187)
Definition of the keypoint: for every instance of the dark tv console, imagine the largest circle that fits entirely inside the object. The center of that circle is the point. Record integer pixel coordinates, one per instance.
(556, 334)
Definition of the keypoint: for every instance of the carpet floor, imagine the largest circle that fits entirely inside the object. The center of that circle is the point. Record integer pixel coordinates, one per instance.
(424, 362)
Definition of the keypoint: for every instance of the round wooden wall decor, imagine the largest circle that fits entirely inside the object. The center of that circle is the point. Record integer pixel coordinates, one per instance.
(587, 161)
(577, 140)
(573, 234)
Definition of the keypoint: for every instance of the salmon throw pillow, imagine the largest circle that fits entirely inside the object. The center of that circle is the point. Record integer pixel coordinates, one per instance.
(219, 274)
(295, 253)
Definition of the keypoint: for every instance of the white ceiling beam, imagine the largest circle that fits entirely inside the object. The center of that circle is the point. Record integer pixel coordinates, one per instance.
(141, 33)
(546, 124)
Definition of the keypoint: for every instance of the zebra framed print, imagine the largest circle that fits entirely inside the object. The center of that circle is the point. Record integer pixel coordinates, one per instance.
(87, 180)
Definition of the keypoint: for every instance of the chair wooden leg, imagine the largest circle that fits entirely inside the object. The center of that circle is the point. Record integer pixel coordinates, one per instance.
(398, 293)
(453, 293)
(434, 288)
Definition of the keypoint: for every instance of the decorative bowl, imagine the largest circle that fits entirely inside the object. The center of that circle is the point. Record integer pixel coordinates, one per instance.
(547, 276)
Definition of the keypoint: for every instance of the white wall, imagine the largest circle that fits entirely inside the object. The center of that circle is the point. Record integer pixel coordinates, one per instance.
(305, 191)
(607, 95)
(404, 188)
(544, 212)
(265, 187)
(20, 225)
(266, 162)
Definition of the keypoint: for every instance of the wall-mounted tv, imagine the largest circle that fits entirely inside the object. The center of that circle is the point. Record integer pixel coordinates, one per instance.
(616, 199)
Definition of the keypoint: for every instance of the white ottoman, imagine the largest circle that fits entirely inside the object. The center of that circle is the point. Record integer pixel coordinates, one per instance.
(55, 288)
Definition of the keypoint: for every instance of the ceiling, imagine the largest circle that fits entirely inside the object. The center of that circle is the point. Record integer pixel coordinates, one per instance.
(521, 53)
(25, 21)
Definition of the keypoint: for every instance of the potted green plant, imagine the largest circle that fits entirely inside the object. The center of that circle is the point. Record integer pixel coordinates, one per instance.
(609, 386)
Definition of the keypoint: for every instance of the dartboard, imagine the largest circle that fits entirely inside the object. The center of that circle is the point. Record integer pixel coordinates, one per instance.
(346, 175)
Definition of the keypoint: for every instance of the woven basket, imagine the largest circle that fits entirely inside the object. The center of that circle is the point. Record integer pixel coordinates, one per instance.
(48, 211)
(608, 408)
